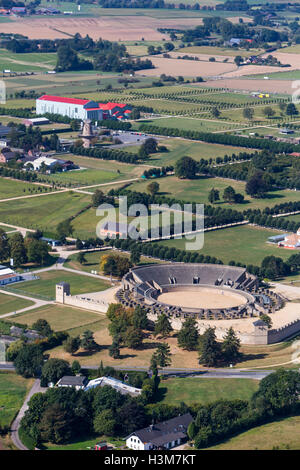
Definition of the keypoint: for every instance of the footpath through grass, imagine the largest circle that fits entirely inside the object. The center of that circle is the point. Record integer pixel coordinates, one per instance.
(10, 303)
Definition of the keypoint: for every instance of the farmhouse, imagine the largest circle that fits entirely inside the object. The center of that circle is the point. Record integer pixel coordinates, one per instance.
(81, 109)
(291, 241)
(163, 435)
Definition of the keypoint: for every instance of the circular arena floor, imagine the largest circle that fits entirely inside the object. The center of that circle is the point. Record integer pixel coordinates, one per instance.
(202, 297)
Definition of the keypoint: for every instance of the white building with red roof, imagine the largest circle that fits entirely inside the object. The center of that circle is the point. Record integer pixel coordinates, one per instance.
(72, 107)
(81, 109)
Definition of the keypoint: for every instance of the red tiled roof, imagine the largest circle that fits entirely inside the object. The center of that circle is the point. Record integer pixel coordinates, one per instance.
(108, 106)
(61, 99)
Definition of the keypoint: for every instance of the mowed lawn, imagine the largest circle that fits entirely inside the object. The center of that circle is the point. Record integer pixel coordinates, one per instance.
(187, 124)
(244, 244)
(13, 188)
(178, 148)
(44, 212)
(10, 303)
(203, 390)
(279, 435)
(13, 389)
(84, 177)
(45, 286)
(197, 190)
(61, 317)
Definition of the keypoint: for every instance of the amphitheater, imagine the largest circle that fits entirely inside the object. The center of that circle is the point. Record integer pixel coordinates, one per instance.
(215, 295)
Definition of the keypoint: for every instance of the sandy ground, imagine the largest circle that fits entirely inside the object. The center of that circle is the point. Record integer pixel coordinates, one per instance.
(286, 315)
(267, 86)
(107, 295)
(202, 298)
(188, 68)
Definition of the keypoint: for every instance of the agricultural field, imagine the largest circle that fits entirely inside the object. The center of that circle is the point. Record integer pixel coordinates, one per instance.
(244, 244)
(13, 389)
(43, 212)
(204, 390)
(214, 51)
(10, 303)
(29, 62)
(62, 318)
(44, 286)
(188, 123)
(279, 435)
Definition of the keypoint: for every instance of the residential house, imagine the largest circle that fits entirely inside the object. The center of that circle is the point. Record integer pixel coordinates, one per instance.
(163, 435)
(78, 381)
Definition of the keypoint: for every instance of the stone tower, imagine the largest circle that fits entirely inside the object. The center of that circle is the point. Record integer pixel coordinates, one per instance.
(62, 289)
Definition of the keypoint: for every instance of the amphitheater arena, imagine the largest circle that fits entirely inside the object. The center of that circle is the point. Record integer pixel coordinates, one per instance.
(215, 295)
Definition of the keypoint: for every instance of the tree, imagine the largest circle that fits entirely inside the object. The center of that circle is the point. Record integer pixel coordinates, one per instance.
(4, 245)
(53, 370)
(139, 318)
(105, 423)
(268, 111)
(114, 348)
(209, 348)
(256, 185)
(64, 229)
(29, 360)
(153, 188)
(87, 342)
(162, 326)
(279, 390)
(213, 196)
(162, 355)
(133, 337)
(42, 327)
(229, 194)
(238, 60)
(231, 346)
(76, 367)
(135, 255)
(55, 425)
(248, 113)
(71, 344)
(17, 249)
(268, 320)
(215, 112)
(185, 167)
(81, 258)
(291, 110)
(188, 336)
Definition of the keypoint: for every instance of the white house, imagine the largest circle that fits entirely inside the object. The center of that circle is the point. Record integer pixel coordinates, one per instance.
(163, 435)
(49, 162)
(7, 276)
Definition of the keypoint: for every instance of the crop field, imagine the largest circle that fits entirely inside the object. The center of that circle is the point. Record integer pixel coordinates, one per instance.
(44, 212)
(14, 188)
(45, 285)
(13, 389)
(279, 435)
(10, 303)
(205, 390)
(244, 244)
(61, 317)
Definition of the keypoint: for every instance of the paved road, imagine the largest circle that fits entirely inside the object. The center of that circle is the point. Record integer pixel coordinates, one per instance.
(36, 388)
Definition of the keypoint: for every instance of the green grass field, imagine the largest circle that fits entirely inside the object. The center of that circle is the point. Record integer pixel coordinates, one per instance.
(43, 212)
(13, 188)
(184, 123)
(279, 435)
(61, 317)
(197, 190)
(10, 303)
(13, 389)
(204, 390)
(84, 177)
(45, 286)
(27, 62)
(244, 244)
